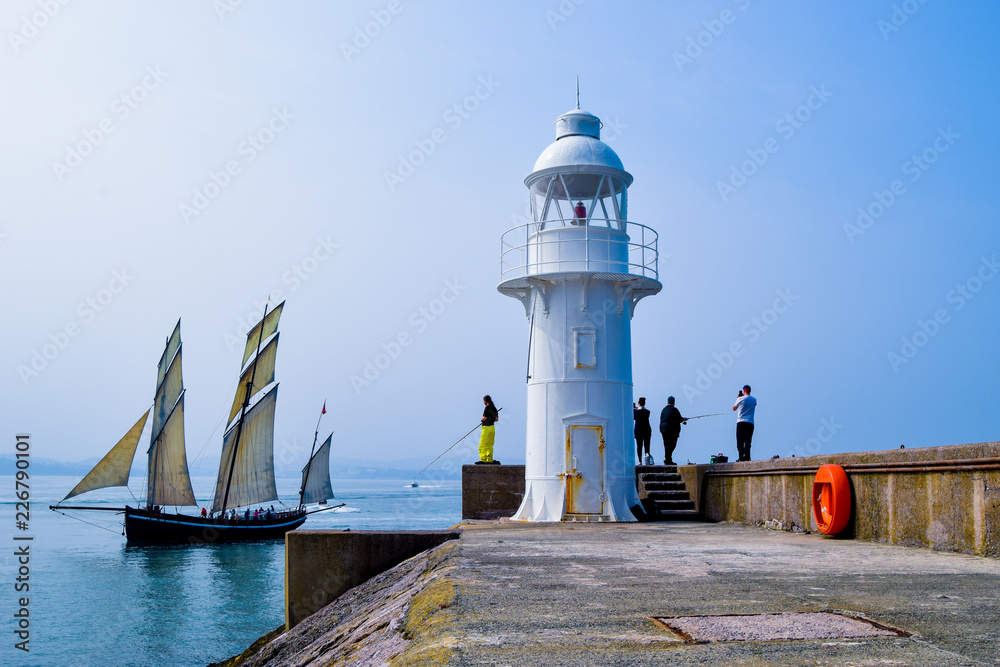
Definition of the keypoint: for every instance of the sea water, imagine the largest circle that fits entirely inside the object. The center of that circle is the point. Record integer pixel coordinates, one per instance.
(95, 601)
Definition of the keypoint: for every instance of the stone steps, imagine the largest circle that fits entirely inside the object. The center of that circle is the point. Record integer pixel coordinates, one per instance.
(665, 486)
(665, 496)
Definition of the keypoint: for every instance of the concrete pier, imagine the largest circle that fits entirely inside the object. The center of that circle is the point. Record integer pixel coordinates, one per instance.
(555, 594)
(945, 498)
(491, 491)
(320, 565)
(569, 594)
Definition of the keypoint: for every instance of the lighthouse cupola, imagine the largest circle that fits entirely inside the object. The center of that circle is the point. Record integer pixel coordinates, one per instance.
(579, 267)
(579, 179)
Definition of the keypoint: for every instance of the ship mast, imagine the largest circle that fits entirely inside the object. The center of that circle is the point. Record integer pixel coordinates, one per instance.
(305, 477)
(243, 410)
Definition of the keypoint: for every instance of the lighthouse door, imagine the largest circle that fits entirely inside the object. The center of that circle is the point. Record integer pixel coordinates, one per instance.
(585, 469)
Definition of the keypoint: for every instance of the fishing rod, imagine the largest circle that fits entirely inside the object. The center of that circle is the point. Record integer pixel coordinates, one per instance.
(717, 414)
(449, 449)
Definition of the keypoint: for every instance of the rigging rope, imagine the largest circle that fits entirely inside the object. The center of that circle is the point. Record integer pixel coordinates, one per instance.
(222, 416)
(87, 522)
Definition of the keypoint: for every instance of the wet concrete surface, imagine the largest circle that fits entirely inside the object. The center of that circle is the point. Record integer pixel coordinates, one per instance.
(587, 594)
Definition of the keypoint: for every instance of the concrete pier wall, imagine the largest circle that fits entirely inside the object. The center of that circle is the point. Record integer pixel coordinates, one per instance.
(320, 565)
(945, 498)
(491, 492)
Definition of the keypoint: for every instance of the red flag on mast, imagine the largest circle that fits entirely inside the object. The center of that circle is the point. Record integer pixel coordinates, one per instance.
(324, 408)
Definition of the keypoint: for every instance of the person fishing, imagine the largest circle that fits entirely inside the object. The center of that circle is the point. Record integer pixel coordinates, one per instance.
(643, 431)
(486, 439)
(670, 428)
(746, 405)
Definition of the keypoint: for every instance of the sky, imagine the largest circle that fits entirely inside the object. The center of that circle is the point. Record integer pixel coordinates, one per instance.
(822, 178)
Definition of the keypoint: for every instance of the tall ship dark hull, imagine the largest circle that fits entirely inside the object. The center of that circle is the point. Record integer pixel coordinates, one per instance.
(147, 527)
(246, 467)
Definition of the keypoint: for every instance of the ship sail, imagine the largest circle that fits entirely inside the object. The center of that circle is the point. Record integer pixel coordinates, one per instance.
(247, 467)
(262, 372)
(254, 336)
(173, 342)
(114, 468)
(169, 481)
(167, 392)
(316, 486)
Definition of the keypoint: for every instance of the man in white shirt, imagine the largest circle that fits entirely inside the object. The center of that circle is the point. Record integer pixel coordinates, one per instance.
(746, 404)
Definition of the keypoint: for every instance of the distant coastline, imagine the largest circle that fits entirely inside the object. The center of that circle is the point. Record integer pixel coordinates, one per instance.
(346, 470)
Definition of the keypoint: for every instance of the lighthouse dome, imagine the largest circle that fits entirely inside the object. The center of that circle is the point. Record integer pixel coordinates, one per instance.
(578, 143)
(576, 150)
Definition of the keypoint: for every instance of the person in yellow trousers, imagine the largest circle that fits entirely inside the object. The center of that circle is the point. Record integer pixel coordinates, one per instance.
(490, 417)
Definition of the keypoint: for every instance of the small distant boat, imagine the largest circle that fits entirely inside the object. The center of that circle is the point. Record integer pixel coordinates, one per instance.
(246, 468)
(413, 485)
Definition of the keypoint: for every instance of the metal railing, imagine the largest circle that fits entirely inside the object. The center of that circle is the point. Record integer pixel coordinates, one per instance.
(554, 246)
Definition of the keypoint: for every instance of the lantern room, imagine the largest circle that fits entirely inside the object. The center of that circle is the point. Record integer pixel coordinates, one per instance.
(579, 180)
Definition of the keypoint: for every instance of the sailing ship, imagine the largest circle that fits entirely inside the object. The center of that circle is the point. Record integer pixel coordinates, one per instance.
(246, 468)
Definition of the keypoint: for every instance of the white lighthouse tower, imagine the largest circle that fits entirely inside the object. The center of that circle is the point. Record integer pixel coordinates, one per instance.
(579, 268)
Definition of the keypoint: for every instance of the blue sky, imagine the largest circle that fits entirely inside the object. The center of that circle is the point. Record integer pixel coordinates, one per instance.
(755, 131)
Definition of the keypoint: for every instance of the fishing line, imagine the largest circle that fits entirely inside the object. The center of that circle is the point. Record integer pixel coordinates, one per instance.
(449, 449)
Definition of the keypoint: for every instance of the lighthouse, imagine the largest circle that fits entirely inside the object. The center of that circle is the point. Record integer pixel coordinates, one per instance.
(579, 268)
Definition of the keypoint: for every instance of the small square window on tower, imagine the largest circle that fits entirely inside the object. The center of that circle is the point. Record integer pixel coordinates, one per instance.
(585, 343)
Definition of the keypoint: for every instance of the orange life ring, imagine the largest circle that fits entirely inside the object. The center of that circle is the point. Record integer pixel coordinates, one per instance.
(831, 499)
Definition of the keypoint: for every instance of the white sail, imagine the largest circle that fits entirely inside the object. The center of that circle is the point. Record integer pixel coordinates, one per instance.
(173, 343)
(169, 482)
(252, 473)
(262, 372)
(114, 468)
(316, 486)
(167, 393)
(254, 336)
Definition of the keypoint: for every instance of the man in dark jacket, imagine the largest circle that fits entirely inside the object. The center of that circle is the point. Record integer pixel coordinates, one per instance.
(670, 429)
(643, 431)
